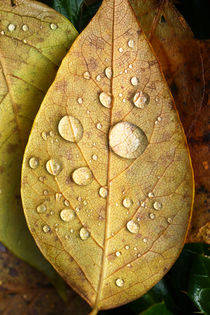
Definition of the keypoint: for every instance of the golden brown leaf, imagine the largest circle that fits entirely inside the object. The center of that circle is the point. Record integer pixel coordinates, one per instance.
(116, 170)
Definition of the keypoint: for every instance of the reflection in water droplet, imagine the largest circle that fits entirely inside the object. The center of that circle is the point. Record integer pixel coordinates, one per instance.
(84, 234)
(119, 282)
(127, 140)
(105, 99)
(82, 176)
(33, 162)
(157, 205)
(53, 26)
(70, 129)
(141, 99)
(11, 27)
(127, 202)
(103, 192)
(131, 43)
(46, 228)
(108, 72)
(53, 167)
(41, 208)
(86, 75)
(67, 215)
(25, 27)
(134, 81)
(133, 227)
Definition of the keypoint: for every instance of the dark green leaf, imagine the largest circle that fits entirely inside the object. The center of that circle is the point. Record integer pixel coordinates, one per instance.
(159, 308)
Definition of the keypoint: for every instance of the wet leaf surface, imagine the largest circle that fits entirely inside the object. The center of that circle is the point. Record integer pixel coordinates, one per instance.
(33, 40)
(23, 290)
(106, 169)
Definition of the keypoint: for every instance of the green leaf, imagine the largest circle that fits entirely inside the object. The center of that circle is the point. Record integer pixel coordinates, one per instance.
(156, 309)
(33, 41)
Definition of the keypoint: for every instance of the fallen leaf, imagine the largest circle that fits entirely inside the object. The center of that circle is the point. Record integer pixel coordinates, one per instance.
(116, 167)
(23, 290)
(33, 41)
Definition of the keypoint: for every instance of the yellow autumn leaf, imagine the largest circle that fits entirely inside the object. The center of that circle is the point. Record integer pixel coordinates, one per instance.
(116, 170)
(33, 41)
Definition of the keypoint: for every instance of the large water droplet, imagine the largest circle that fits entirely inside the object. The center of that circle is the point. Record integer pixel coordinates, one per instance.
(67, 215)
(108, 72)
(127, 140)
(157, 205)
(133, 227)
(33, 162)
(105, 99)
(141, 99)
(70, 129)
(53, 167)
(119, 282)
(82, 176)
(84, 234)
(103, 192)
(127, 202)
(11, 27)
(41, 208)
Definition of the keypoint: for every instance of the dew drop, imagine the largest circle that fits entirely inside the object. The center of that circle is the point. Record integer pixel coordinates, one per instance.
(80, 100)
(134, 81)
(70, 129)
(151, 195)
(25, 27)
(66, 203)
(133, 227)
(157, 205)
(44, 135)
(120, 49)
(127, 140)
(152, 216)
(41, 208)
(105, 99)
(2, 32)
(108, 72)
(98, 78)
(131, 43)
(130, 66)
(118, 254)
(99, 126)
(169, 220)
(119, 282)
(145, 240)
(53, 26)
(141, 99)
(127, 247)
(82, 176)
(52, 134)
(86, 75)
(45, 192)
(52, 212)
(46, 228)
(67, 215)
(84, 234)
(94, 157)
(127, 202)
(53, 167)
(58, 196)
(33, 162)
(11, 27)
(103, 192)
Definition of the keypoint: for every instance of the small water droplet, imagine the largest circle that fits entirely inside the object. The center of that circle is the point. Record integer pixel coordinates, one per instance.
(70, 129)
(86, 75)
(130, 66)
(131, 43)
(2, 32)
(134, 81)
(44, 135)
(103, 192)
(41, 208)
(159, 118)
(25, 27)
(33, 162)
(133, 227)
(58, 196)
(120, 49)
(119, 282)
(127, 140)
(145, 240)
(99, 126)
(52, 212)
(139, 255)
(84, 234)
(127, 247)
(157, 205)
(45, 192)
(46, 228)
(108, 72)
(72, 230)
(143, 204)
(53, 167)
(120, 95)
(169, 220)
(98, 78)
(118, 254)
(94, 157)
(53, 26)
(105, 99)
(85, 202)
(127, 202)
(41, 178)
(152, 216)
(82, 176)
(151, 195)
(52, 134)
(66, 203)
(67, 215)
(80, 100)
(79, 199)
(141, 99)
(126, 71)
(124, 100)
(11, 27)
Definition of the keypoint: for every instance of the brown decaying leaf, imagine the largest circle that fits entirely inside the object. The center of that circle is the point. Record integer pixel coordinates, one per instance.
(115, 213)
(23, 290)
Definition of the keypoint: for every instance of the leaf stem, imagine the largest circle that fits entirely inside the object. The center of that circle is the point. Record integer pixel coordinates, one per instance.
(94, 312)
